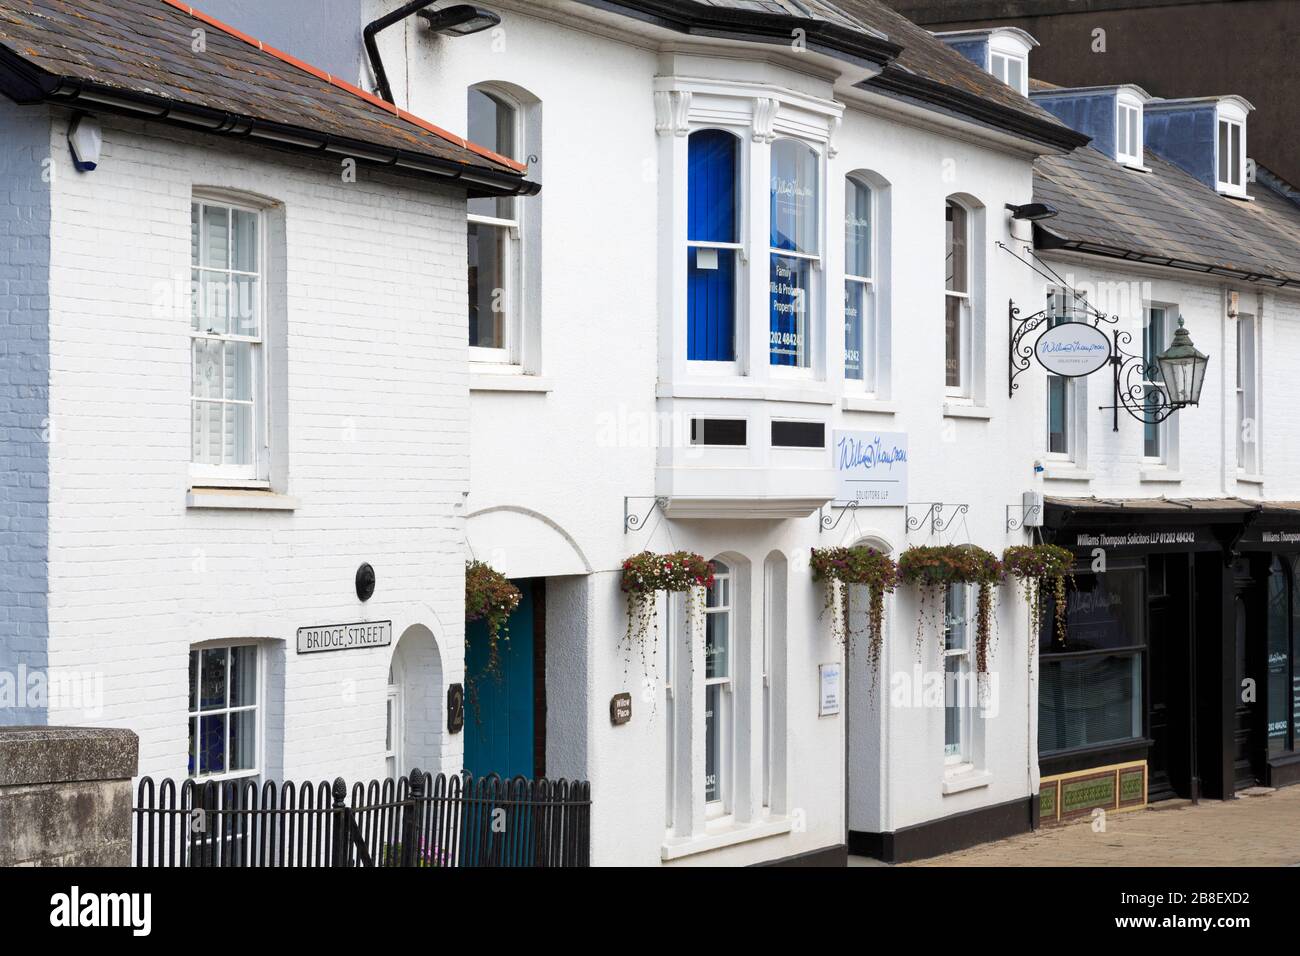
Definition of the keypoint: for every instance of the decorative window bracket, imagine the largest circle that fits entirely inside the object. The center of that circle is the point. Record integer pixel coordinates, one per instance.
(1014, 523)
(933, 514)
(827, 522)
(634, 520)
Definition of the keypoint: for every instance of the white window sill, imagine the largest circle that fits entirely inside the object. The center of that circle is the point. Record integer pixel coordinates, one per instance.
(958, 781)
(238, 499)
(1065, 471)
(866, 403)
(1249, 479)
(812, 393)
(959, 410)
(506, 381)
(1158, 475)
(717, 836)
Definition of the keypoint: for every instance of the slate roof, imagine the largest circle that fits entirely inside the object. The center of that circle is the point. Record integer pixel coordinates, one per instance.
(914, 63)
(1166, 217)
(139, 52)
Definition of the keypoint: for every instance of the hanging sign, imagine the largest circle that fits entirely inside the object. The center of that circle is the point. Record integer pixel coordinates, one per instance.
(871, 468)
(1073, 349)
(344, 637)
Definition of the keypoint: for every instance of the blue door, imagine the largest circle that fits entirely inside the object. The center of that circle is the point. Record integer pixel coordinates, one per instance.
(499, 729)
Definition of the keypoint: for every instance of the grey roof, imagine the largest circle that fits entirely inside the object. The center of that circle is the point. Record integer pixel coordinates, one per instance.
(1172, 505)
(139, 52)
(1166, 217)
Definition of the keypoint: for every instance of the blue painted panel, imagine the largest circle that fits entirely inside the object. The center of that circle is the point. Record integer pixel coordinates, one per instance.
(711, 216)
(1092, 114)
(24, 399)
(977, 51)
(1186, 137)
(499, 721)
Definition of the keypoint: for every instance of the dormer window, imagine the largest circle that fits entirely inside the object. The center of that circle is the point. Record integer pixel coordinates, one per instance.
(1232, 160)
(1011, 70)
(1128, 131)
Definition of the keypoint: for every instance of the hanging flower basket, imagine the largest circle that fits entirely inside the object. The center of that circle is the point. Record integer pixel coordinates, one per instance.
(646, 574)
(935, 568)
(1035, 566)
(874, 570)
(490, 597)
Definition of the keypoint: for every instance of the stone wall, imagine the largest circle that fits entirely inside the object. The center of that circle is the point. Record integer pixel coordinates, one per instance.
(65, 796)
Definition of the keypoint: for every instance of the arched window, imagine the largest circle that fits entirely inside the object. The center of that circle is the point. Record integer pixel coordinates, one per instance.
(718, 749)
(713, 245)
(859, 283)
(495, 275)
(957, 300)
(796, 251)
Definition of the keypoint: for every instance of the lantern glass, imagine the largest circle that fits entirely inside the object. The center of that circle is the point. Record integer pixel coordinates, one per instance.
(1182, 368)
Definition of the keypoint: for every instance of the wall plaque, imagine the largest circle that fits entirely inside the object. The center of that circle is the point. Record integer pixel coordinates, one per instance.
(344, 637)
(620, 709)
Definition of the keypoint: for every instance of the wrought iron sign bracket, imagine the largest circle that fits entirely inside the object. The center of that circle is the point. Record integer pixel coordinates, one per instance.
(634, 520)
(1014, 523)
(934, 514)
(826, 522)
(1133, 376)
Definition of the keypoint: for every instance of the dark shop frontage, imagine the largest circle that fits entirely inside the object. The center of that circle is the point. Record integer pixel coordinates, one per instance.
(1177, 675)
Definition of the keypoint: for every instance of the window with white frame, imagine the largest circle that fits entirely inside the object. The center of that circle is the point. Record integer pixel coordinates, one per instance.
(1232, 155)
(228, 423)
(1155, 339)
(1061, 391)
(718, 749)
(1247, 400)
(714, 260)
(795, 252)
(393, 726)
(859, 284)
(957, 300)
(1011, 70)
(224, 711)
(672, 618)
(494, 237)
(958, 621)
(1128, 128)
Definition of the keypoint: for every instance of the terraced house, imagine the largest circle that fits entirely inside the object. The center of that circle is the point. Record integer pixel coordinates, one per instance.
(782, 291)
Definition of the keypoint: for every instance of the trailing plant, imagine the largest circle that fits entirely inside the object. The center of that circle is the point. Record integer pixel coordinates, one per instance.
(869, 567)
(490, 597)
(1036, 566)
(935, 568)
(646, 574)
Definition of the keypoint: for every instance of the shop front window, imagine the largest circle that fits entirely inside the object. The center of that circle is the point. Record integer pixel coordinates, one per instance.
(1090, 687)
(1282, 694)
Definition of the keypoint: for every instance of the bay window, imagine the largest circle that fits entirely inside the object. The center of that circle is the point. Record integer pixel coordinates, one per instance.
(717, 694)
(795, 252)
(713, 245)
(957, 299)
(494, 237)
(224, 711)
(228, 394)
(859, 285)
(958, 703)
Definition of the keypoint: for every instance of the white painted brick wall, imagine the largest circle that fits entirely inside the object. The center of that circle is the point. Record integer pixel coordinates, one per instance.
(377, 443)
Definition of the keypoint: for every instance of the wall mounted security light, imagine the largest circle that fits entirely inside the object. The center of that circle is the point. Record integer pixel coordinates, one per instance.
(459, 20)
(1033, 211)
(86, 140)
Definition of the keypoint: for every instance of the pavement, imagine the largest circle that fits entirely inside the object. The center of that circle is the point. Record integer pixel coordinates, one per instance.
(1259, 828)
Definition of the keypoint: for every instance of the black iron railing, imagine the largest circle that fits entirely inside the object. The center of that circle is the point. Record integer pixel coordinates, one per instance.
(416, 821)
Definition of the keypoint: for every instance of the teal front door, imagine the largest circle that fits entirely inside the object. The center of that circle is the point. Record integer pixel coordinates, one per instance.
(499, 731)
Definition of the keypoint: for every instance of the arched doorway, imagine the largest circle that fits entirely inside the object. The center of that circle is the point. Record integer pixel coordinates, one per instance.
(413, 704)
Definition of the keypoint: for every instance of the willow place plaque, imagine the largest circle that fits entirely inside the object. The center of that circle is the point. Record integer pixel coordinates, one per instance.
(344, 637)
